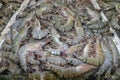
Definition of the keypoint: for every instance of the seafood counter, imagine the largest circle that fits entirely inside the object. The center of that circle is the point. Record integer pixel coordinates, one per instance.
(60, 40)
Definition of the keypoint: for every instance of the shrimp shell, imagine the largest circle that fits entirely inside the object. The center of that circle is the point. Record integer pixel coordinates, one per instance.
(96, 59)
(54, 51)
(37, 33)
(70, 72)
(95, 4)
(78, 27)
(75, 48)
(48, 76)
(6, 47)
(69, 24)
(55, 60)
(114, 22)
(27, 18)
(19, 38)
(115, 39)
(102, 30)
(118, 8)
(95, 16)
(10, 36)
(115, 52)
(74, 61)
(36, 75)
(108, 58)
(104, 18)
(79, 32)
(22, 57)
(56, 36)
(25, 49)
(97, 25)
(30, 58)
(66, 27)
